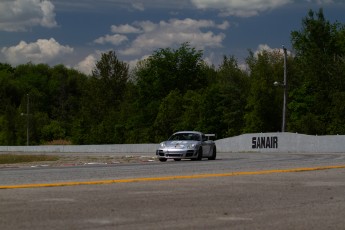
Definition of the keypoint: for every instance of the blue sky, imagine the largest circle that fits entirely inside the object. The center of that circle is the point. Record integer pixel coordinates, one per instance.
(76, 32)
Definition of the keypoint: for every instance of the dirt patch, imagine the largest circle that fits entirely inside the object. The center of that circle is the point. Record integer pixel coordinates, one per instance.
(78, 160)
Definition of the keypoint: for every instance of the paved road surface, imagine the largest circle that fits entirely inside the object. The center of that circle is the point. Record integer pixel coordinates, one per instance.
(312, 199)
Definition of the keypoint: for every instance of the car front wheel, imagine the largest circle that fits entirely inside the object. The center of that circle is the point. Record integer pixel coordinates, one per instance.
(162, 159)
(199, 158)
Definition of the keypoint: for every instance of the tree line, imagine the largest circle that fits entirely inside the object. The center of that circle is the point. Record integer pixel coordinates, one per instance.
(175, 89)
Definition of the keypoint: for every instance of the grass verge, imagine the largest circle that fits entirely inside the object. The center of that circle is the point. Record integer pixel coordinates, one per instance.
(13, 158)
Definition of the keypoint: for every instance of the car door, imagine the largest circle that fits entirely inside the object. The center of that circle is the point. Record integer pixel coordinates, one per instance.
(206, 146)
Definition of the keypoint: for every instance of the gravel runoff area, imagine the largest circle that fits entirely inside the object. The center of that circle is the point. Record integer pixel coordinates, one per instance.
(82, 159)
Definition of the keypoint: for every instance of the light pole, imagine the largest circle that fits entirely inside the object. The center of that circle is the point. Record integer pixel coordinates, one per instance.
(285, 91)
(27, 119)
(284, 85)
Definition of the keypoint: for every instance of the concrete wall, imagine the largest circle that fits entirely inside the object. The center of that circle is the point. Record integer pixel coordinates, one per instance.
(133, 149)
(257, 142)
(282, 142)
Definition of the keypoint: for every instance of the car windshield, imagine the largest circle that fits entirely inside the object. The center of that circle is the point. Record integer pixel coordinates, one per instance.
(185, 137)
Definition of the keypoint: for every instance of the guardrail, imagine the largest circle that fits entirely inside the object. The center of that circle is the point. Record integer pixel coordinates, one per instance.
(256, 142)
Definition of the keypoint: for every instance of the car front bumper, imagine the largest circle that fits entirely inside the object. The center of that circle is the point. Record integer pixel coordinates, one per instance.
(177, 153)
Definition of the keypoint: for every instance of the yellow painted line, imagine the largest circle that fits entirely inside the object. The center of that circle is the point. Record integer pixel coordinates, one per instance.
(197, 176)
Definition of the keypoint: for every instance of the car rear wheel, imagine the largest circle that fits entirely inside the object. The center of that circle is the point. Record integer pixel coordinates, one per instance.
(199, 158)
(162, 159)
(214, 153)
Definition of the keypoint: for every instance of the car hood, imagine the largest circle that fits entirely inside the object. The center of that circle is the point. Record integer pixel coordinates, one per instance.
(179, 144)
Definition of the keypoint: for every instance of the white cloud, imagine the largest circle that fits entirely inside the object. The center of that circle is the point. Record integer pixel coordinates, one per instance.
(150, 36)
(224, 26)
(87, 65)
(41, 51)
(322, 1)
(19, 15)
(133, 63)
(124, 29)
(174, 32)
(240, 8)
(115, 39)
(265, 47)
(48, 19)
(138, 6)
(128, 5)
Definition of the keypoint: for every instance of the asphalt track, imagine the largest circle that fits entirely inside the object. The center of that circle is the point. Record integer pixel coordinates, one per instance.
(237, 191)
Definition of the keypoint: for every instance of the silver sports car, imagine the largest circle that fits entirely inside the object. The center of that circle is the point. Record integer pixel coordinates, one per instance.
(187, 145)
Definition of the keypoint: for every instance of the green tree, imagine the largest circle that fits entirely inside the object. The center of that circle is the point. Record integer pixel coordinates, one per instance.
(233, 89)
(169, 115)
(320, 49)
(166, 70)
(9, 101)
(53, 131)
(264, 102)
(192, 109)
(103, 94)
(114, 76)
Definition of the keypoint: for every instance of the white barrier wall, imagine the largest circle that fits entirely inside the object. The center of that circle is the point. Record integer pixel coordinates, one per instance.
(133, 149)
(282, 142)
(256, 142)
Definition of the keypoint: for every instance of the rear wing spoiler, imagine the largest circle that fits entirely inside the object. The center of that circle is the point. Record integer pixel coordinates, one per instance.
(210, 137)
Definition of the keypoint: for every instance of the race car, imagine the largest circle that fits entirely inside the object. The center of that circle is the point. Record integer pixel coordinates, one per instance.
(187, 145)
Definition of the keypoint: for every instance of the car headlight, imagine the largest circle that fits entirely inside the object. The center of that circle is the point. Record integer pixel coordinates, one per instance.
(162, 145)
(191, 146)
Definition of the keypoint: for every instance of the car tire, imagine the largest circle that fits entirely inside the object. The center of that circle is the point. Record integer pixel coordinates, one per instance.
(214, 153)
(199, 157)
(177, 159)
(162, 159)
